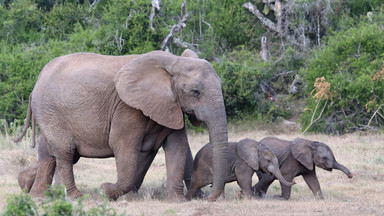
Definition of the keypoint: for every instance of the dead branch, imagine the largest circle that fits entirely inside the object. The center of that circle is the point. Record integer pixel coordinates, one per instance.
(265, 21)
(314, 113)
(264, 52)
(376, 113)
(176, 28)
(155, 6)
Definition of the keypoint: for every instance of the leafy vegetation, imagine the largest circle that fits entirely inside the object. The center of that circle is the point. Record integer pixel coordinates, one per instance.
(55, 204)
(339, 40)
(353, 64)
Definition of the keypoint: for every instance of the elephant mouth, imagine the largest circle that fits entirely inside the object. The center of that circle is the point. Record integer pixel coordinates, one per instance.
(328, 169)
(266, 171)
(193, 119)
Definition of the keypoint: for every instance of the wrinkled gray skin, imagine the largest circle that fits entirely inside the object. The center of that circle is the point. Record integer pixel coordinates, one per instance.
(298, 157)
(244, 158)
(127, 107)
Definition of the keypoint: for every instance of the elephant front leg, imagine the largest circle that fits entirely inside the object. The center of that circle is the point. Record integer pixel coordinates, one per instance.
(126, 163)
(286, 190)
(125, 140)
(244, 179)
(176, 148)
(313, 184)
(261, 188)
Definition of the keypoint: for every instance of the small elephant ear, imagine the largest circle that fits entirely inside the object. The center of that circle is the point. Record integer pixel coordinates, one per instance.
(302, 152)
(189, 53)
(247, 151)
(146, 84)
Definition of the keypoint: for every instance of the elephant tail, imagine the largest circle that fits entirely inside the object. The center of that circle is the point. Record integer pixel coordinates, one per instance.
(28, 119)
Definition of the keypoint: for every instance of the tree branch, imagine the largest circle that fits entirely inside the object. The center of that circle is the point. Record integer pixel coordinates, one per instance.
(176, 28)
(155, 6)
(266, 22)
(314, 113)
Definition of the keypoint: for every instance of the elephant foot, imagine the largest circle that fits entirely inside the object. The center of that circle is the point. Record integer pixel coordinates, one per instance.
(111, 191)
(74, 194)
(26, 178)
(199, 194)
(214, 196)
(37, 193)
(281, 197)
(176, 198)
(239, 195)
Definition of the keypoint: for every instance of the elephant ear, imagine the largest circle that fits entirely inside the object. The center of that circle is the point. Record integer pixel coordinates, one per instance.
(247, 151)
(146, 84)
(189, 53)
(302, 152)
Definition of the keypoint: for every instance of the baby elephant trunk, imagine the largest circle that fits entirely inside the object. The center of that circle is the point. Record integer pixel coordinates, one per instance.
(344, 169)
(276, 172)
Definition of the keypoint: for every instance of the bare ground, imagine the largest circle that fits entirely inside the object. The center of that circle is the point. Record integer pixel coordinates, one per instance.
(363, 154)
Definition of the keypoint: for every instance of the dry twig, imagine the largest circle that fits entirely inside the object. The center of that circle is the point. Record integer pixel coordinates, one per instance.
(322, 89)
(176, 28)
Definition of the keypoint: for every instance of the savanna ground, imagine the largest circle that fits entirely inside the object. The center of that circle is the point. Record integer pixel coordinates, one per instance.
(363, 154)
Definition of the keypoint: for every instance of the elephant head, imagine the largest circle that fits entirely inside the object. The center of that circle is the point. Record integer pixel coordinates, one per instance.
(164, 86)
(312, 153)
(260, 157)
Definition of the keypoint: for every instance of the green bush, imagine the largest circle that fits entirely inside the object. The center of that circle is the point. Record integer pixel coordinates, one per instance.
(62, 19)
(353, 64)
(241, 74)
(55, 204)
(20, 205)
(20, 23)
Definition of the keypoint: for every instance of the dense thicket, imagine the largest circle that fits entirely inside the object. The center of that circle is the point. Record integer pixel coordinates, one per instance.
(352, 62)
(340, 40)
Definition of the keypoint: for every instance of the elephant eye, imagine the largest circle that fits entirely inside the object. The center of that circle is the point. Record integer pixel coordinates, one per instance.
(325, 158)
(195, 92)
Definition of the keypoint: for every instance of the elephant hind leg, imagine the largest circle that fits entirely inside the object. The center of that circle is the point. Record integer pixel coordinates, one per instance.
(26, 178)
(44, 175)
(200, 178)
(65, 174)
(145, 161)
(195, 190)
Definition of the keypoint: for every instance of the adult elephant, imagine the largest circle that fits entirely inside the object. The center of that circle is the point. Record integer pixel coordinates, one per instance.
(100, 106)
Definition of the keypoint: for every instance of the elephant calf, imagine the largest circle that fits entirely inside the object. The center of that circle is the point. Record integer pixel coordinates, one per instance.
(243, 159)
(298, 157)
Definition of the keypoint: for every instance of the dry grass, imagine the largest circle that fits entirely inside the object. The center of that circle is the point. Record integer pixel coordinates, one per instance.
(361, 195)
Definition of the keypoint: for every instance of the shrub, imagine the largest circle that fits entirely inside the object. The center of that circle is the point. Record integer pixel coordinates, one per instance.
(55, 203)
(20, 205)
(352, 62)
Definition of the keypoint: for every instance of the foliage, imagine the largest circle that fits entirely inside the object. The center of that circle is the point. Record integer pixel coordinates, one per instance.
(20, 205)
(361, 7)
(217, 27)
(241, 74)
(33, 32)
(352, 63)
(55, 203)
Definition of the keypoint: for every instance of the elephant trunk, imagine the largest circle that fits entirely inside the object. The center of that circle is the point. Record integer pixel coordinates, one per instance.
(344, 169)
(276, 172)
(218, 137)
